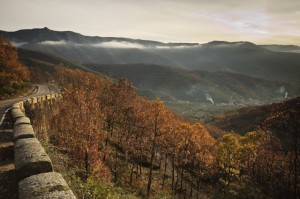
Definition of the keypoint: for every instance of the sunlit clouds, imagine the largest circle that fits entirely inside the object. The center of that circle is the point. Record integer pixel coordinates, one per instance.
(261, 22)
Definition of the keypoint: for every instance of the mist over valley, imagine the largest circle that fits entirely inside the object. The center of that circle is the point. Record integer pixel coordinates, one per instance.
(218, 72)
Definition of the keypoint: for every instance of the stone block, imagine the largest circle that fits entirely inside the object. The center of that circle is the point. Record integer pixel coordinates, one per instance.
(22, 120)
(30, 158)
(16, 106)
(16, 113)
(34, 100)
(23, 131)
(45, 186)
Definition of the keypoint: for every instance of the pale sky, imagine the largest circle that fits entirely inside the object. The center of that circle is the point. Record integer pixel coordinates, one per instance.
(201, 21)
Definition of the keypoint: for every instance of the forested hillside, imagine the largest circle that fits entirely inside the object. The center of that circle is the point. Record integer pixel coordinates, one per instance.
(14, 76)
(106, 133)
(250, 118)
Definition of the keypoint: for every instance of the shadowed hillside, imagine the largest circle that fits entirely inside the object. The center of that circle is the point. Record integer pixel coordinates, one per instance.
(282, 48)
(198, 86)
(253, 117)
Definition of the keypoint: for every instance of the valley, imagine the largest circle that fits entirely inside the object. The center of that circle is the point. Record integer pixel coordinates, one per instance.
(148, 119)
(193, 79)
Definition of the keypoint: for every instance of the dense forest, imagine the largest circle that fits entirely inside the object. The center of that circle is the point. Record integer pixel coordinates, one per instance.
(112, 135)
(111, 143)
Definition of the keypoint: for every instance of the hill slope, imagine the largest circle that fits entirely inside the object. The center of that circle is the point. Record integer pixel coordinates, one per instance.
(251, 118)
(282, 48)
(197, 86)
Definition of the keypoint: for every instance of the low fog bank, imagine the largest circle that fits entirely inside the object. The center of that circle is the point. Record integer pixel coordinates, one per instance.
(110, 44)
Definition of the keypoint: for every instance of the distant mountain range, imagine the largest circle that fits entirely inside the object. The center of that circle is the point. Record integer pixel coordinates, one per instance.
(41, 36)
(283, 48)
(173, 71)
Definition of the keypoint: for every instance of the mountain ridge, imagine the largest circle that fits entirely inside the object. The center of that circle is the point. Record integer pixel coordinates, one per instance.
(14, 35)
(45, 34)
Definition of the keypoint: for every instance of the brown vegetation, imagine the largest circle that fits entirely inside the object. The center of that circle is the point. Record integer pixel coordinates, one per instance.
(13, 75)
(109, 133)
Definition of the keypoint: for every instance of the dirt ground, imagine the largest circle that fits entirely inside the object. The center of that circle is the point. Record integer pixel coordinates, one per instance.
(8, 183)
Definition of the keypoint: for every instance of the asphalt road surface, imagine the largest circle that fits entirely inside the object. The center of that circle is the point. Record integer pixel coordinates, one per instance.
(6, 104)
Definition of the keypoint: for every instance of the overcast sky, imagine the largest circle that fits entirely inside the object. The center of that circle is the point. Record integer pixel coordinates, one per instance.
(258, 21)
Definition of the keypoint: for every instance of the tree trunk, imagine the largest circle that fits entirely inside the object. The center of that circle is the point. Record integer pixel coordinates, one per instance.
(198, 186)
(141, 166)
(153, 151)
(177, 178)
(86, 164)
(160, 161)
(191, 190)
(181, 177)
(131, 173)
(151, 168)
(116, 167)
(165, 170)
(173, 176)
(296, 168)
(137, 171)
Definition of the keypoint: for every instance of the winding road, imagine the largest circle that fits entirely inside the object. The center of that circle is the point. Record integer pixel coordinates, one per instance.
(6, 104)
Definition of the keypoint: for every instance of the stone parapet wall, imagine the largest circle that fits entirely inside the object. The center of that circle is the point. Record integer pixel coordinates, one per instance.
(33, 166)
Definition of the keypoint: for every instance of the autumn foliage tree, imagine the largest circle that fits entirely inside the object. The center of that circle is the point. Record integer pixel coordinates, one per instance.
(78, 124)
(256, 159)
(228, 159)
(105, 127)
(12, 73)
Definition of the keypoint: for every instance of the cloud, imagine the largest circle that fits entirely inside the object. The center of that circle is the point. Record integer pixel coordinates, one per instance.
(18, 44)
(116, 44)
(62, 42)
(176, 47)
(110, 44)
